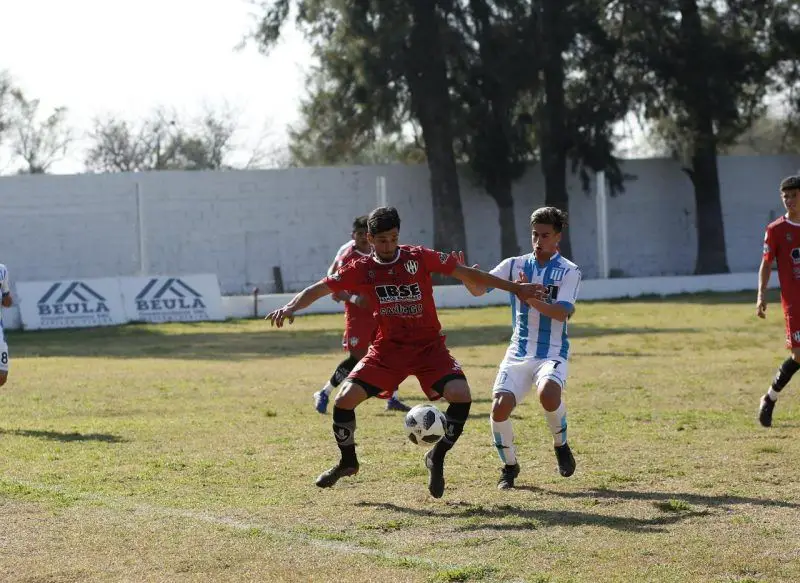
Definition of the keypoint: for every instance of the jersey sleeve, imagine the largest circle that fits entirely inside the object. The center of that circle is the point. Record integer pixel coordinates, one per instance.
(346, 278)
(503, 269)
(4, 286)
(770, 245)
(568, 291)
(438, 261)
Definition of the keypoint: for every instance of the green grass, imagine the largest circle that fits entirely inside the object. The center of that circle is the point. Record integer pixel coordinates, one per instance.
(188, 452)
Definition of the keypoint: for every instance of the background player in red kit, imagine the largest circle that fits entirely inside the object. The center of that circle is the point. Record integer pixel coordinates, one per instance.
(782, 243)
(397, 279)
(359, 323)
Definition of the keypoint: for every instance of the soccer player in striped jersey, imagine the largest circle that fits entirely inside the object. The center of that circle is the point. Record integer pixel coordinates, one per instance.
(6, 302)
(539, 349)
(360, 324)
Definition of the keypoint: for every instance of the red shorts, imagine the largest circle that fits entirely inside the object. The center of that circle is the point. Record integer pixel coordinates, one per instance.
(358, 333)
(387, 364)
(792, 319)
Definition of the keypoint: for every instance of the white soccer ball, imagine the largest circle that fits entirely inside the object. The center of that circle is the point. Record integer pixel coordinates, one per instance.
(425, 424)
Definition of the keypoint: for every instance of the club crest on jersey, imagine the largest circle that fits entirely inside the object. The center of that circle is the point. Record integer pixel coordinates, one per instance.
(412, 266)
(557, 274)
(443, 257)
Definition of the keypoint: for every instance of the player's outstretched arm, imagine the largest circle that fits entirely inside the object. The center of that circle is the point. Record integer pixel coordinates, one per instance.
(764, 271)
(302, 300)
(477, 277)
(473, 288)
(555, 311)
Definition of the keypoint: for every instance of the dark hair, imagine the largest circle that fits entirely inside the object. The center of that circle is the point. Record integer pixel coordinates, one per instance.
(790, 182)
(550, 215)
(360, 223)
(382, 219)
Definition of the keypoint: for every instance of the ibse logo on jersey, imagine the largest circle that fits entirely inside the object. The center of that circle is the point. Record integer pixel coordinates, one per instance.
(398, 293)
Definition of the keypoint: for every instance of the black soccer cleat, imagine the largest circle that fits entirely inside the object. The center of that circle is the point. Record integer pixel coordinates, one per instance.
(330, 477)
(436, 475)
(765, 411)
(395, 404)
(507, 476)
(566, 462)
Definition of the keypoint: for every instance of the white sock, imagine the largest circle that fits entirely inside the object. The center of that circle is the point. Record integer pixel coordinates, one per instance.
(557, 421)
(327, 388)
(503, 435)
(773, 394)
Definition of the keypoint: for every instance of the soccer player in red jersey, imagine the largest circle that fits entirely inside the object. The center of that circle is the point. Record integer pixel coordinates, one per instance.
(359, 324)
(397, 279)
(782, 244)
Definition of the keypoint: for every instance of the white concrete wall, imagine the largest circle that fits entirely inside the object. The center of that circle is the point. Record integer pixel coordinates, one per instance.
(241, 224)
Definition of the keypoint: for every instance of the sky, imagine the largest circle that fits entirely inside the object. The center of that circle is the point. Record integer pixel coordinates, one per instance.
(124, 57)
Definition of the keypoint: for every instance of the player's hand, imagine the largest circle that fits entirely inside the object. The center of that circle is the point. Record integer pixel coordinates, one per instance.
(761, 307)
(530, 291)
(340, 296)
(277, 317)
(459, 255)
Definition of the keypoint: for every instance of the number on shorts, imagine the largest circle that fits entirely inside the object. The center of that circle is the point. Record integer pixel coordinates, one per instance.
(4, 358)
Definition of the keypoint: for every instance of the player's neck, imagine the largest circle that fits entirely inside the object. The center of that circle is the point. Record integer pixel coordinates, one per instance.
(542, 258)
(794, 217)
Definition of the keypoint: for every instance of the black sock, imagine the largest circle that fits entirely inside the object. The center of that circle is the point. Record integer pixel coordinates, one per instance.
(344, 369)
(784, 374)
(457, 414)
(344, 429)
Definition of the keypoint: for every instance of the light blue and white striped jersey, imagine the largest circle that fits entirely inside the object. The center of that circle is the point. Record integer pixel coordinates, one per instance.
(4, 289)
(536, 335)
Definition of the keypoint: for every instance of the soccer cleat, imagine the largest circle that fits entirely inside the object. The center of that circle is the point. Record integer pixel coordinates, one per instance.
(395, 404)
(436, 475)
(330, 477)
(765, 411)
(507, 476)
(321, 402)
(566, 462)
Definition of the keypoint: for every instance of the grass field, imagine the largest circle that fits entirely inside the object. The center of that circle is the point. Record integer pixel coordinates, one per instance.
(189, 453)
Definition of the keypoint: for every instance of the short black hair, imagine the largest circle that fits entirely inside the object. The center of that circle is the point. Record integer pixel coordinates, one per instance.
(382, 219)
(790, 182)
(549, 215)
(360, 223)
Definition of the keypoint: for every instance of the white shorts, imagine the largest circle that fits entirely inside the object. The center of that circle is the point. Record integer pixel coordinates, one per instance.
(3, 357)
(519, 375)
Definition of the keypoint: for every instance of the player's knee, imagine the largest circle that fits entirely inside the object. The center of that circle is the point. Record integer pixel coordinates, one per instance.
(502, 406)
(550, 395)
(3, 378)
(349, 396)
(457, 391)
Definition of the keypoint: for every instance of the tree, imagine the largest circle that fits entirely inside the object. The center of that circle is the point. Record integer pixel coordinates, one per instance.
(163, 141)
(331, 131)
(38, 142)
(708, 67)
(385, 53)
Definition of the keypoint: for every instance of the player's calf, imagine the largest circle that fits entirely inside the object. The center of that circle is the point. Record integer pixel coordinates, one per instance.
(784, 374)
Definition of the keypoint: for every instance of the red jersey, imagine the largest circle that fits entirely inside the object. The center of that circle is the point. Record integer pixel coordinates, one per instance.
(782, 243)
(401, 291)
(346, 254)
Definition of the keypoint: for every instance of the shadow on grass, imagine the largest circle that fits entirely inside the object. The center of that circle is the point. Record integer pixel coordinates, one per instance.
(212, 343)
(64, 437)
(721, 502)
(536, 518)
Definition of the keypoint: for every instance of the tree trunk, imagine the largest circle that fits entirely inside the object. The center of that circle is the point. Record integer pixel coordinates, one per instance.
(711, 252)
(430, 98)
(500, 191)
(553, 150)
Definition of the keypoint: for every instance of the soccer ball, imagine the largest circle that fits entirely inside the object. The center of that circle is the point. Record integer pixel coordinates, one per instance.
(425, 424)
